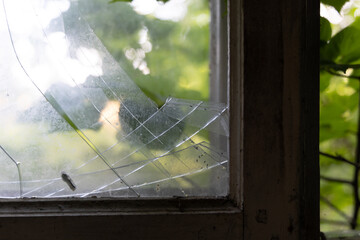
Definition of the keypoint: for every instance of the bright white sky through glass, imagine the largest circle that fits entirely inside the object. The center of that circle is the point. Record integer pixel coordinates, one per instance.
(174, 10)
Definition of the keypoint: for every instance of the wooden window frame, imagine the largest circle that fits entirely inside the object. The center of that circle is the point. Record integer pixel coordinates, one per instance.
(274, 172)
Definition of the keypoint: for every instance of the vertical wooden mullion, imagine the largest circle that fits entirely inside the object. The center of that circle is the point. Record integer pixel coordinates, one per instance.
(280, 118)
(310, 187)
(236, 99)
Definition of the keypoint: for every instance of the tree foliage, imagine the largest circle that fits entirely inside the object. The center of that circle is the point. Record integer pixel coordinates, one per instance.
(339, 118)
(176, 53)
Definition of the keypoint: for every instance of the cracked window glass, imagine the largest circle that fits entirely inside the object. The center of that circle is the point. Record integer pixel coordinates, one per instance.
(77, 121)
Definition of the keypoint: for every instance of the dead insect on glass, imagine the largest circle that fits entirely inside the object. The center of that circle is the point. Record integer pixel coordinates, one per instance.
(66, 178)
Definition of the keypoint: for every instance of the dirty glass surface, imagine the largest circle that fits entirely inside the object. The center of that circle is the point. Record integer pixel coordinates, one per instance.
(75, 124)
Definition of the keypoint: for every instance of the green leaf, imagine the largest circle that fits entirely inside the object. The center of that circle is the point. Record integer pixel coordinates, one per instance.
(338, 107)
(337, 4)
(325, 78)
(343, 47)
(325, 30)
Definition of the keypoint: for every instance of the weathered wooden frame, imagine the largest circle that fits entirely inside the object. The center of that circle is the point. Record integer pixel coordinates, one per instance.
(274, 175)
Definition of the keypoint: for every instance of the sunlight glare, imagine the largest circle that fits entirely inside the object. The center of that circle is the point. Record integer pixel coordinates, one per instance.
(174, 10)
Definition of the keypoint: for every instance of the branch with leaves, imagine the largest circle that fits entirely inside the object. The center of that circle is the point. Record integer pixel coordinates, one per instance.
(340, 57)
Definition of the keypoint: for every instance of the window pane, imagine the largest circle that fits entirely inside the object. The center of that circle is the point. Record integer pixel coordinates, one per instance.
(74, 121)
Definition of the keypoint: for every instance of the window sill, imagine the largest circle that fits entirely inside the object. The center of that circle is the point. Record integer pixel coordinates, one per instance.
(111, 206)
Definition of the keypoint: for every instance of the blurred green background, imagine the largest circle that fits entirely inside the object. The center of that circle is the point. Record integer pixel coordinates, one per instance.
(163, 47)
(339, 110)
